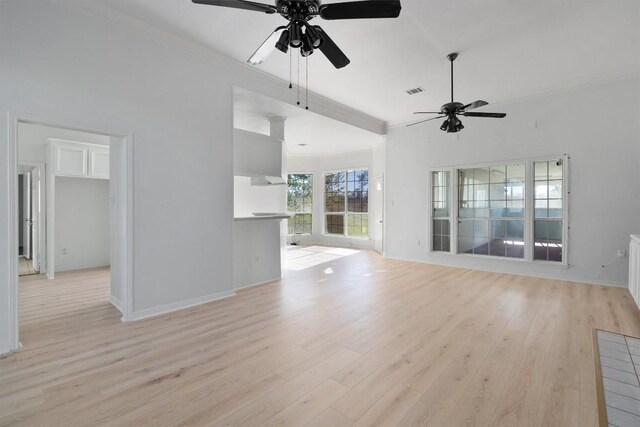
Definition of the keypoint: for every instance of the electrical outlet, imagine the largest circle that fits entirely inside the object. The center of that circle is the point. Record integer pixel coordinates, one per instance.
(622, 253)
(64, 251)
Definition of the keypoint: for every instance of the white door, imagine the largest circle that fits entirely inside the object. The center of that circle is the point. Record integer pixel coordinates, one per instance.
(378, 229)
(26, 215)
(36, 212)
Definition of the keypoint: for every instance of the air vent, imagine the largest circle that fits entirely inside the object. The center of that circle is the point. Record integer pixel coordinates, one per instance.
(415, 91)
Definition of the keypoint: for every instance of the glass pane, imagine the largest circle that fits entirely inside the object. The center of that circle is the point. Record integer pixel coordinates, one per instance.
(437, 227)
(481, 192)
(498, 174)
(541, 190)
(465, 245)
(555, 208)
(515, 248)
(465, 176)
(555, 170)
(335, 224)
(498, 229)
(357, 225)
(481, 246)
(446, 246)
(497, 192)
(541, 210)
(515, 230)
(515, 191)
(555, 231)
(515, 208)
(555, 189)
(445, 227)
(481, 175)
(547, 245)
(541, 171)
(465, 228)
(515, 172)
(481, 229)
(498, 209)
(437, 243)
(300, 193)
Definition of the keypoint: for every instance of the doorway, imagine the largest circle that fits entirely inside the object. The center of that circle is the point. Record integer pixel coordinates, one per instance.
(378, 229)
(31, 208)
(38, 174)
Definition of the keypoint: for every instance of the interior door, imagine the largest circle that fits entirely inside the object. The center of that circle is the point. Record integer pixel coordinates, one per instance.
(378, 228)
(36, 212)
(26, 215)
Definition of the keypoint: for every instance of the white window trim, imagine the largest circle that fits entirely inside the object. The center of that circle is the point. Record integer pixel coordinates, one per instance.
(528, 214)
(345, 212)
(313, 183)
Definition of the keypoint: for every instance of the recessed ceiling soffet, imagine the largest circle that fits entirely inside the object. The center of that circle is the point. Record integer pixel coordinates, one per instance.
(299, 33)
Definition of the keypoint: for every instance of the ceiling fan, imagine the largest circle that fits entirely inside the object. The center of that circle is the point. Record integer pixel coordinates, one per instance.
(298, 33)
(452, 110)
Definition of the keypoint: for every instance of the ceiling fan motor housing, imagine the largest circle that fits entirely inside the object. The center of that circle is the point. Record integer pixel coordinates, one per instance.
(298, 10)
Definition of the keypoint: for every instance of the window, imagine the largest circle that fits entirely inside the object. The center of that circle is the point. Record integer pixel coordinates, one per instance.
(346, 203)
(300, 203)
(440, 210)
(547, 224)
(491, 210)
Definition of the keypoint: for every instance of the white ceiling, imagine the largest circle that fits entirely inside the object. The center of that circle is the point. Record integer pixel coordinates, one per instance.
(507, 48)
(322, 135)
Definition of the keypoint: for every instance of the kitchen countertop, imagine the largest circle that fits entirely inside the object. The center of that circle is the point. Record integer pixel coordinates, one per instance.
(263, 217)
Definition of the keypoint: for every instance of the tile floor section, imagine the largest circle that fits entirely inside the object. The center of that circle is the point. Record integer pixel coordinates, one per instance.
(620, 364)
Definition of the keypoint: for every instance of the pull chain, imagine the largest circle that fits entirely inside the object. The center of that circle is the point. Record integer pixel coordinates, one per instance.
(307, 84)
(290, 67)
(298, 103)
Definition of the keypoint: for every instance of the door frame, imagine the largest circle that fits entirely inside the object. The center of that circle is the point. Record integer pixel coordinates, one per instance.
(42, 236)
(126, 208)
(382, 205)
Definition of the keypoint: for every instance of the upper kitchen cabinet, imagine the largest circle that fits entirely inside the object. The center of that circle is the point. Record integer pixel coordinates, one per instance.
(77, 159)
(258, 156)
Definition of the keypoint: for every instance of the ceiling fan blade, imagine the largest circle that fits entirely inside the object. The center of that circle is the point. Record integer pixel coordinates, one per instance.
(428, 120)
(266, 48)
(331, 50)
(361, 9)
(240, 4)
(428, 112)
(478, 114)
(475, 104)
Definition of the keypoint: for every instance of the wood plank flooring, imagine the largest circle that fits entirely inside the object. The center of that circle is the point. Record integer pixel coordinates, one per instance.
(359, 340)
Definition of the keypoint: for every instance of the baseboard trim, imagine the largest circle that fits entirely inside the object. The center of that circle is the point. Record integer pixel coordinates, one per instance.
(253, 285)
(538, 276)
(169, 308)
(117, 303)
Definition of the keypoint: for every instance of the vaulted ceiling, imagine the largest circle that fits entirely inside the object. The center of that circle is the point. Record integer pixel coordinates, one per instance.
(508, 49)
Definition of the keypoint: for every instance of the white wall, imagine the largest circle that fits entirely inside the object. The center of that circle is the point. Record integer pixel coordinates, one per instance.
(81, 223)
(252, 198)
(318, 165)
(32, 140)
(598, 126)
(88, 67)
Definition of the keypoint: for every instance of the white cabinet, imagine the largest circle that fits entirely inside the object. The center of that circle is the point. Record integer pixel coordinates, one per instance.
(634, 268)
(99, 162)
(70, 160)
(77, 159)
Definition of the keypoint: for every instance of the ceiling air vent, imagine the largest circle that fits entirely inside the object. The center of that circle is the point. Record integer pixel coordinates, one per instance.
(415, 90)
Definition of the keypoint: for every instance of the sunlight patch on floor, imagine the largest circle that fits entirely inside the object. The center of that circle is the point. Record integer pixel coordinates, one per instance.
(303, 257)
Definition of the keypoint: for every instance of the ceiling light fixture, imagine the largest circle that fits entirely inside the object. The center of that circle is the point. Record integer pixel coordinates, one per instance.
(307, 46)
(296, 35)
(283, 42)
(314, 35)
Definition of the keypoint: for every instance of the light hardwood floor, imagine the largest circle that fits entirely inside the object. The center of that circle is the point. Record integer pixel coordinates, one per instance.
(359, 340)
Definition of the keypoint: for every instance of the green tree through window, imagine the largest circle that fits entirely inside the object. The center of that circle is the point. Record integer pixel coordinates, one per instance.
(300, 203)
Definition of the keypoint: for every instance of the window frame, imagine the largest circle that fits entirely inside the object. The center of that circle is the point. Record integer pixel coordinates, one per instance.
(346, 212)
(529, 202)
(313, 191)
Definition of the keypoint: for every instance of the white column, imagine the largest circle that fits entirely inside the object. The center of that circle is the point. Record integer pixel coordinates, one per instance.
(277, 130)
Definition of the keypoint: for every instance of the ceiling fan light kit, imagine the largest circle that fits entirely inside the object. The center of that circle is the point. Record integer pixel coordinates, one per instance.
(299, 34)
(452, 110)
